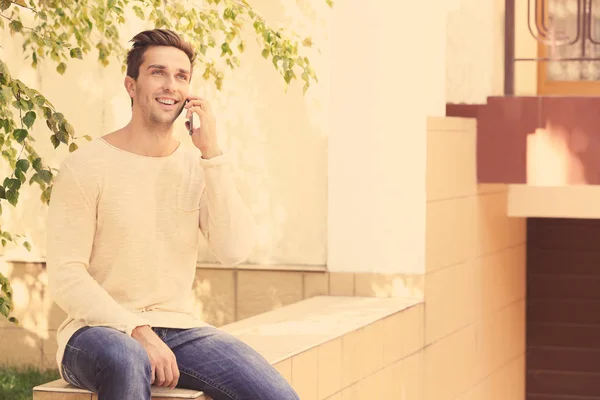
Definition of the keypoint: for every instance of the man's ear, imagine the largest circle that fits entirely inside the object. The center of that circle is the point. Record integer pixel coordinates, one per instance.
(130, 86)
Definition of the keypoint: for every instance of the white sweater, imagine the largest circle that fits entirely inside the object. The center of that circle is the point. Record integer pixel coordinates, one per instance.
(123, 232)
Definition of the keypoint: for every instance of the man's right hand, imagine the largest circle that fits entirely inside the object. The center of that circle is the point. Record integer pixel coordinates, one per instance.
(165, 372)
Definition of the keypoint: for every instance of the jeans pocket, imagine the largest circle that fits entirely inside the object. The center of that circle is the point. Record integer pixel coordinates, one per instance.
(70, 377)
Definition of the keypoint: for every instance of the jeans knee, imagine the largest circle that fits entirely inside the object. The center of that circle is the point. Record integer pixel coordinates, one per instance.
(129, 363)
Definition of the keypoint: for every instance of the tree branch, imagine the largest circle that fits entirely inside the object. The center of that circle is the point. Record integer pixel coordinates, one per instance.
(21, 3)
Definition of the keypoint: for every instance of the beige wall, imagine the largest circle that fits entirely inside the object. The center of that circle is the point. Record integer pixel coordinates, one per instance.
(475, 60)
(475, 279)
(387, 80)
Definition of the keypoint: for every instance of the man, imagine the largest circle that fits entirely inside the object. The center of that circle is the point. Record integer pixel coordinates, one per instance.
(123, 231)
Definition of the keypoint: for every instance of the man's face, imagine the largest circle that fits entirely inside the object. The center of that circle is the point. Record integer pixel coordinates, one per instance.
(162, 86)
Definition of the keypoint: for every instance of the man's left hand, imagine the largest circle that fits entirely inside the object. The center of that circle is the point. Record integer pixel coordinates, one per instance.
(204, 136)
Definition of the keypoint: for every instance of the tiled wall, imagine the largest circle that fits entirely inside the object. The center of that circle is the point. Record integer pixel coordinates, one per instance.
(475, 276)
(382, 360)
(228, 295)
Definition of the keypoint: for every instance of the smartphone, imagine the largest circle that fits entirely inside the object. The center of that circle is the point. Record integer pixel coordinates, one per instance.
(191, 120)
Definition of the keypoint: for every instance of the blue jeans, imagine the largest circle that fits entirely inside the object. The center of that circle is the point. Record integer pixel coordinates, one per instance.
(116, 366)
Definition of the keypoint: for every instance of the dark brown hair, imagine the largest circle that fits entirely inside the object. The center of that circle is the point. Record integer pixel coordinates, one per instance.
(156, 37)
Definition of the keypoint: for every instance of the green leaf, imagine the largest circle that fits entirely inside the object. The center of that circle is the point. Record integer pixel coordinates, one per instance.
(138, 11)
(68, 128)
(4, 4)
(7, 235)
(12, 184)
(305, 88)
(111, 4)
(276, 59)
(2, 193)
(5, 93)
(63, 136)
(22, 104)
(3, 242)
(27, 245)
(13, 197)
(23, 165)
(20, 175)
(13, 320)
(61, 68)
(87, 137)
(29, 119)
(46, 194)
(39, 100)
(76, 53)
(47, 112)
(72, 147)
(37, 164)
(45, 175)
(4, 310)
(55, 141)
(35, 178)
(20, 135)
(265, 53)
(15, 26)
(225, 49)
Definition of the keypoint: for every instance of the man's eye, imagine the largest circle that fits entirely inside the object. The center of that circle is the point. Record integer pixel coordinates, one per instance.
(156, 72)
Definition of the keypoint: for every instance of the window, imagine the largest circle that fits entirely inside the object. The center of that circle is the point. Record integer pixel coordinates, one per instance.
(570, 30)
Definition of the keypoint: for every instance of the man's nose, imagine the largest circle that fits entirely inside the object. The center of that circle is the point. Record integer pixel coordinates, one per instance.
(169, 83)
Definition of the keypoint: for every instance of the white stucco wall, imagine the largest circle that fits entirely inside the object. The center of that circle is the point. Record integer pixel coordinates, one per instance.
(475, 41)
(389, 76)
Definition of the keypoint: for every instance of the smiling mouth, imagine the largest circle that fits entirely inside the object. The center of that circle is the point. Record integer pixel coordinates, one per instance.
(166, 101)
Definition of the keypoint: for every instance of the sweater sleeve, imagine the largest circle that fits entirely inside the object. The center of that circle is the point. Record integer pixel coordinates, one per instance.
(70, 234)
(225, 220)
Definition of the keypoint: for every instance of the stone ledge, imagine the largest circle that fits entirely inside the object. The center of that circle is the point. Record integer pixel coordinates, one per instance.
(302, 333)
(283, 333)
(557, 201)
(327, 347)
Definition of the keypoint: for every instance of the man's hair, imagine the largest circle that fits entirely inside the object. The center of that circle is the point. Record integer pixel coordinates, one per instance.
(156, 37)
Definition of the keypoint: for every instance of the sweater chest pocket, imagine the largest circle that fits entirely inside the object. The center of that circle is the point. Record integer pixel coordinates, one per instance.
(188, 215)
